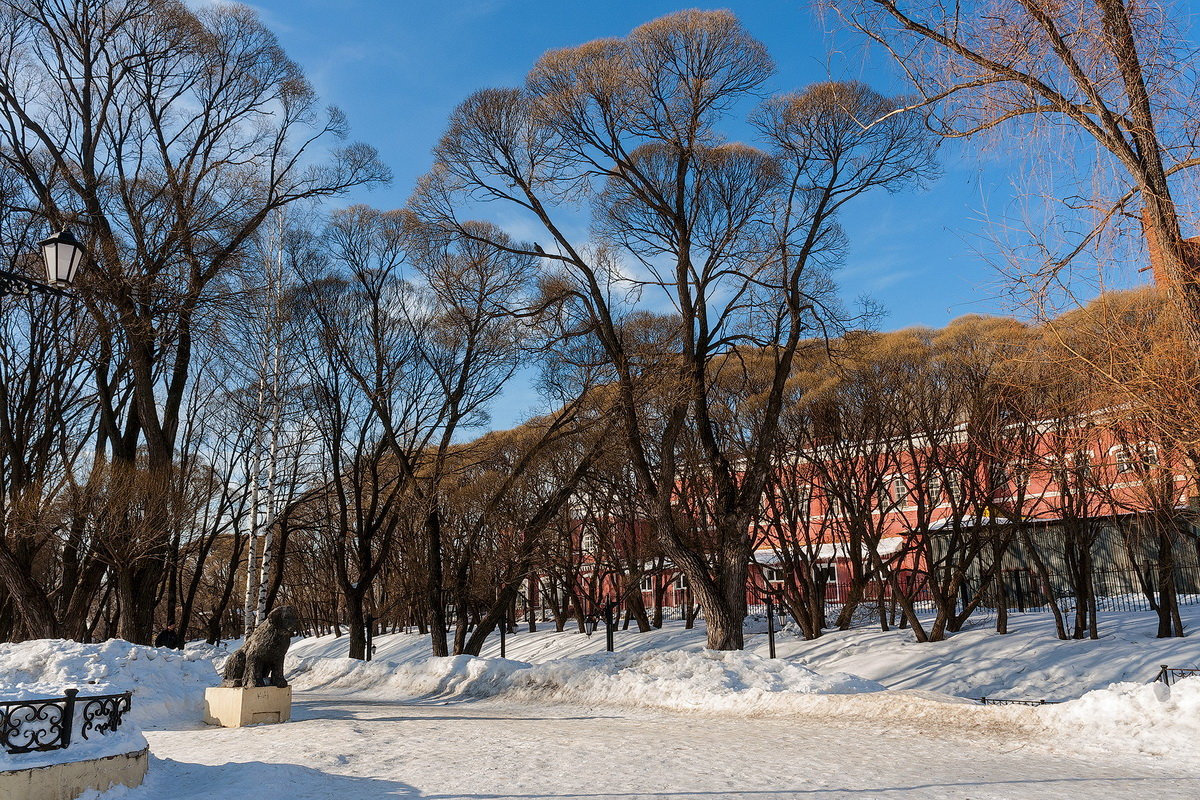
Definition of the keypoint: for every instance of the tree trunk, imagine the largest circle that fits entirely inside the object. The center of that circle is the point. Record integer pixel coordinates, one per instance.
(356, 621)
(433, 585)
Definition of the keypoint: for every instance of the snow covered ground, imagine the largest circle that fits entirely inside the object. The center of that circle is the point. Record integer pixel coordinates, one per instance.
(358, 748)
(1028, 662)
(857, 714)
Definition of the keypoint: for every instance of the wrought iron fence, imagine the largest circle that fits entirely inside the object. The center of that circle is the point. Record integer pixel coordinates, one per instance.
(1000, 701)
(1169, 675)
(1023, 590)
(27, 726)
(1113, 589)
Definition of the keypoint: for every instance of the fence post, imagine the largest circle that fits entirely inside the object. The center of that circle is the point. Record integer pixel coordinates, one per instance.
(771, 627)
(608, 624)
(68, 717)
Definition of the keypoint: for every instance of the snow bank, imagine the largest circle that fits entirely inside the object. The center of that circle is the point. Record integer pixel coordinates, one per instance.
(732, 682)
(723, 682)
(455, 676)
(168, 686)
(1154, 718)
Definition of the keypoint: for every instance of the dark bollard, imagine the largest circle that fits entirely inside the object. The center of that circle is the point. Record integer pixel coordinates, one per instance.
(503, 631)
(609, 624)
(771, 627)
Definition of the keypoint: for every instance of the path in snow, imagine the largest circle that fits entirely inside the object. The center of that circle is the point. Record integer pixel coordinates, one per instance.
(342, 748)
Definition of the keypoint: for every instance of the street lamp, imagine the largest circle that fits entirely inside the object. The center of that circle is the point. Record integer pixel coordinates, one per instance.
(62, 254)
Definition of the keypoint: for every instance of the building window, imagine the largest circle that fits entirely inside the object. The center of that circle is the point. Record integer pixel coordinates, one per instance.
(898, 490)
(1124, 460)
(954, 482)
(998, 474)
(933, 490)
(1083, 464)
(772, 574)
(1149, 456)
(681, 582)
(588, 542)
(833, 508)
(647, 583)
(803, 498)
(1018, 473)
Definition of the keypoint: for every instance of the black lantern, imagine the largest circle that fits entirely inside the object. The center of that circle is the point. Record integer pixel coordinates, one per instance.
(63, 254)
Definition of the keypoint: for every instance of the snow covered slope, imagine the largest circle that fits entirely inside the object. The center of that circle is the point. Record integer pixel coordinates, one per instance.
(1028, 662)
(741, 682)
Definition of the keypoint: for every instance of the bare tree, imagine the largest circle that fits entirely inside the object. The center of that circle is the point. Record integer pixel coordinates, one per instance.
(171, 134)
(1102, 71)
(734, 239)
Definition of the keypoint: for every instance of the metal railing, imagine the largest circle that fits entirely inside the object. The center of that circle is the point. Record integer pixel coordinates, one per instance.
(1114, 589)
(999, 701)
(1169, 675)
(28, 726)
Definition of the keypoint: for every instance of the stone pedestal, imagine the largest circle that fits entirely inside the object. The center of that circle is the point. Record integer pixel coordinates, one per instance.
(236, 707)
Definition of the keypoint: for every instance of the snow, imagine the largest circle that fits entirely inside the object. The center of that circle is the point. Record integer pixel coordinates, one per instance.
(664, 717)
(886, 547)
(1151, 719)
(1155, 719)
(362, 747)
(1026, 663)
(741, 683)
(167, 686)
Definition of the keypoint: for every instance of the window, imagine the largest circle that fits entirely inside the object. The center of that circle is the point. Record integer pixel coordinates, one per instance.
(1124, 460)
(803, 497)
(681, 581)
(1082, 462)
(1149, 456)
(833, 507)
(647, 583)
(1018, 473)
(998, 474)
(588, 542)
(954, 483)
(933, 490)
(772, 575)
(892, 492)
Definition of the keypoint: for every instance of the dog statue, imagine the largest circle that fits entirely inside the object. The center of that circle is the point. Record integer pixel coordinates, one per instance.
(259, 662)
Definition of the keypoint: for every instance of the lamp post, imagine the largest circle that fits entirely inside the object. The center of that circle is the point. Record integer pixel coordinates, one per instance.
(62, 254)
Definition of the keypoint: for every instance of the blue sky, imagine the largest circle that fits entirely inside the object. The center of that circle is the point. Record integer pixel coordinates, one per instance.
(399, 68)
